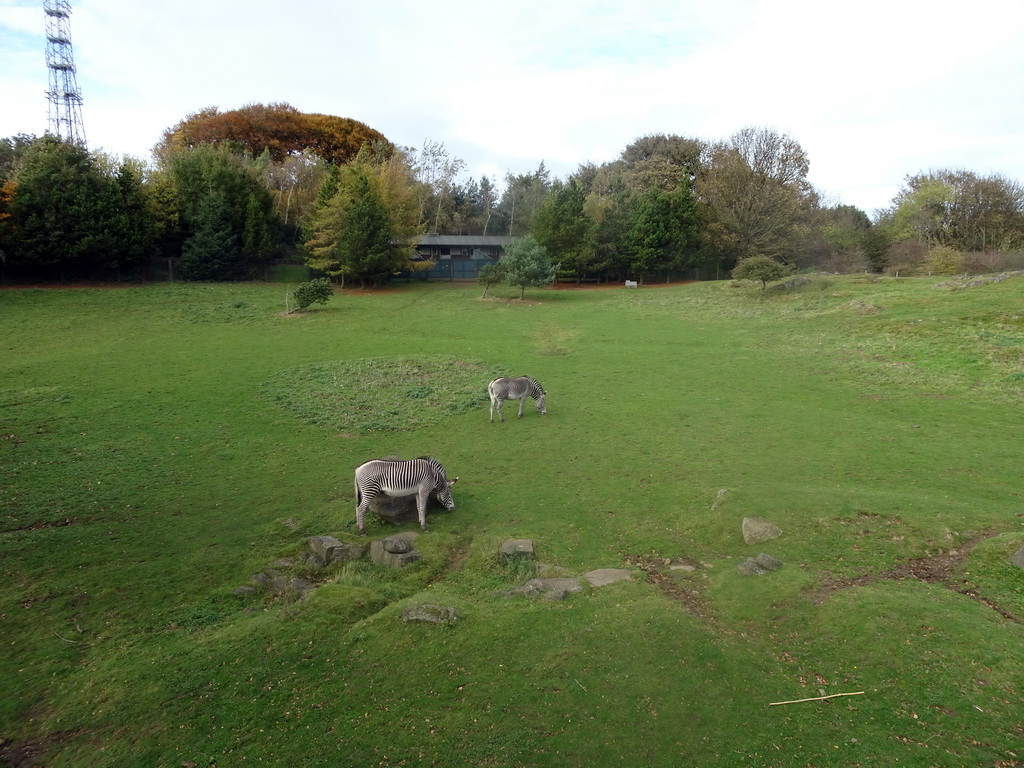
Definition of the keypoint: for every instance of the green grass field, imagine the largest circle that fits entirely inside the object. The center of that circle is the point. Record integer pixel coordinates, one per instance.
(161, 443)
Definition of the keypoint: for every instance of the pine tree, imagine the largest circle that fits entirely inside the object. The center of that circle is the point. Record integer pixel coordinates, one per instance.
(212, 252)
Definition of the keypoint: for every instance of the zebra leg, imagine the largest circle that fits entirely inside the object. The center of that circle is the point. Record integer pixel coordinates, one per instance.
(421, 507)
(500, 403)
(364, 502)
(522, 402)
(492, 410)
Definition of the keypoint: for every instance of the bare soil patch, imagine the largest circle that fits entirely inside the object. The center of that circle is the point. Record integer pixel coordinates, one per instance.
(934, 569)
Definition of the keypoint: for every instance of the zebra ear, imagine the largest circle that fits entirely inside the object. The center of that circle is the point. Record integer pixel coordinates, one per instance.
(453, 482)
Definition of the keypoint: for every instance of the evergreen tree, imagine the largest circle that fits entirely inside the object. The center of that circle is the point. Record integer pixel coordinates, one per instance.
(68, 211)
(247, 205)
(358, 234)
(212, 252)
(661, 231)
(563, 227)
(526, 264)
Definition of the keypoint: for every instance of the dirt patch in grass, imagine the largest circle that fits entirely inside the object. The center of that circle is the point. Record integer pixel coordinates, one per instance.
(933, 569)
(685, 596)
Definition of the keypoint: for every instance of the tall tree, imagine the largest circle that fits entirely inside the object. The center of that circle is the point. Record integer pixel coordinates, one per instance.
(521, 200)
(212, 252)
(11, 150)
(755, 195)
(661, 233)
(280, 129)
(435, 169)
(237, 181)
(662, 161)
(563, 227)
(69, 211)
(958, 209)
(365, 231)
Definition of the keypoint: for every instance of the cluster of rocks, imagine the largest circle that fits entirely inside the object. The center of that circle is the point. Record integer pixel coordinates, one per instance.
(959, 283)
(553, 587)
(548, 583)
(757, 531)
(546, 588)
(393, 551)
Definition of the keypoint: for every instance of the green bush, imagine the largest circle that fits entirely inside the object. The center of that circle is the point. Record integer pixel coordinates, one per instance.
(762, 268)
(314, 292)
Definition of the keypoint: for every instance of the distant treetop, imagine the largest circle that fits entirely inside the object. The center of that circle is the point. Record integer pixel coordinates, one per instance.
(278, 128)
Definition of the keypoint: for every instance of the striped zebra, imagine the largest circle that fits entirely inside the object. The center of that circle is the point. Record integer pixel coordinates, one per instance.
(393, 477)
(519, 389)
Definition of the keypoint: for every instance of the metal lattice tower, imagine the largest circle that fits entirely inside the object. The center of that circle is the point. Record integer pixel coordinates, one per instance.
(65, 99)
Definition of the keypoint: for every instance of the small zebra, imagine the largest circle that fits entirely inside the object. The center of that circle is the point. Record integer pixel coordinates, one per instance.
(393, 477)
(519, 389)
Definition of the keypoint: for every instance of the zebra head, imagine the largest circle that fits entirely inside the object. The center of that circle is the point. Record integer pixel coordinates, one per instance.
(538, 396)
(442, 485)
(443, 492)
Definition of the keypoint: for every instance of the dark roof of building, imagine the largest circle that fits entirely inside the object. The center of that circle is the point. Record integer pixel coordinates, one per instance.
(466, 240)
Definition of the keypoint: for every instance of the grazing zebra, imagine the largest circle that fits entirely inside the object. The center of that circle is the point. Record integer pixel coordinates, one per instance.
(519, 389)
(393, 477)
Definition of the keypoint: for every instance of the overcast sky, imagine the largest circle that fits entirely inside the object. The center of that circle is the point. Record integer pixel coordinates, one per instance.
(873, 91)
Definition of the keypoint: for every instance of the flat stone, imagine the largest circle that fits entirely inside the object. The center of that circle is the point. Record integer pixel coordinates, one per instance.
(244, 591)
(768, 562)
(433, 614)
(549, 589)
(749, 567)
(756, 530)
(683, 567)
(517, 549)
(604, 576)
(1017, 558)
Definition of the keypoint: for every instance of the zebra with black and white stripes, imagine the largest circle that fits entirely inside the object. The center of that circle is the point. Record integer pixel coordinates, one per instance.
(518, 388)
(393, 477)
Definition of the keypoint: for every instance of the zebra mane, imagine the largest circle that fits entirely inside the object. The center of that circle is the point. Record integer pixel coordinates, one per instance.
(535, 383)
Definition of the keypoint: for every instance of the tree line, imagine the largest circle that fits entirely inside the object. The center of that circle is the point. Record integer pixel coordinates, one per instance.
(228, 194)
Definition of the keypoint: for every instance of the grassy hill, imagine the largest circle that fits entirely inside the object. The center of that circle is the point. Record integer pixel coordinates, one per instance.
(159, 444)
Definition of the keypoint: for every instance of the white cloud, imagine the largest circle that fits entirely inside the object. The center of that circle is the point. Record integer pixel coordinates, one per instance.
(873, 91)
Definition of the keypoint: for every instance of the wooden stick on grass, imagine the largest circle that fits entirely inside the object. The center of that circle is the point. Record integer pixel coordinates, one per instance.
(816, 698)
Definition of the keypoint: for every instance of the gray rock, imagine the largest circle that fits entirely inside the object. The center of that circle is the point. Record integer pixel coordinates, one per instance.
(750, 567)
(514, 549)
(244, 591)
(312, 560)
(260, 580)
(768, 562)
(1017, 558)
(330, 550)
(380, 555)
(548, 589)
(604, 576)
(394, 509)
(756, 530)
(433, 614)
(396, 546)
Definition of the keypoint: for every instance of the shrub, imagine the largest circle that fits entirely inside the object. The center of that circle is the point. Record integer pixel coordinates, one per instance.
(762, 268)
(943, 260)
(317, 291)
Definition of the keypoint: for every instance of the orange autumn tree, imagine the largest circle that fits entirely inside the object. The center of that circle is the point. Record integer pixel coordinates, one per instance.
(279, 129)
